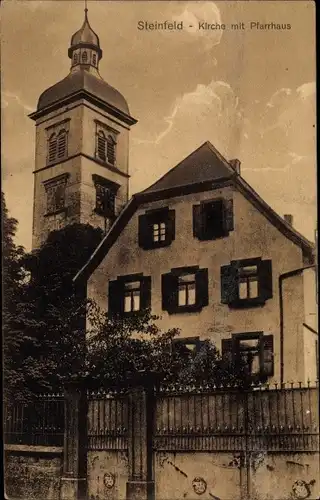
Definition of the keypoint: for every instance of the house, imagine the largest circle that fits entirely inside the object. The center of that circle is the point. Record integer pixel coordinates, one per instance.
(199, 246)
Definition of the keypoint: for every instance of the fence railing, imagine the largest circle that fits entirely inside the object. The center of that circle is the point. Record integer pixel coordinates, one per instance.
(107, 421)
(40, 422)
(268, 419)
(186, 419)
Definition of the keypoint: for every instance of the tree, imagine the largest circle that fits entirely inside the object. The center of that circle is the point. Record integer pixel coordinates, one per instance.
(14, 340)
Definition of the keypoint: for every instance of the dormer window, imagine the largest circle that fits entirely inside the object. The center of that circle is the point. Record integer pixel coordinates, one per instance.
(106, 146)
(58, 142)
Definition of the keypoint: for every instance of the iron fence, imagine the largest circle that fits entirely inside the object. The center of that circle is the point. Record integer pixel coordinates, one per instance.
(40, 422)
(266, 418)
(107, 420)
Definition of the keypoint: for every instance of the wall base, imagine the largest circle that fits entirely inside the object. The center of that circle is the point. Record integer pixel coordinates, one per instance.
(140, 490)
(72, 488)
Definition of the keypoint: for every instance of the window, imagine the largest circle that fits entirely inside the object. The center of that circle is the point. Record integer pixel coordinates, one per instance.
(56, 191)
(251, 351)
(105, 196)
(156, 228)
(75, 58)
(84, 56)
(129, 295)
(213, 219)
(132, 292)
(246, 283)
(187, 346)
(94, 59)
(185, 290)
(57, 146)
(106, 148)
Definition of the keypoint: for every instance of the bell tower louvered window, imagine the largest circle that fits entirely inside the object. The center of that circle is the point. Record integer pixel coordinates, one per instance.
(111, 150)
(101, 146)
(61, 144)
(58, 142)
(52, 148)
(106, 144)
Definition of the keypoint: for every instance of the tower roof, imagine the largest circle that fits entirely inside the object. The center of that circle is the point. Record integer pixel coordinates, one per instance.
(84, 77)
(85, 35)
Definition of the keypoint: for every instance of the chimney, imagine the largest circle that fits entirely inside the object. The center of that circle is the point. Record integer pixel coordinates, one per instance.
(235, 164)
(288, 218)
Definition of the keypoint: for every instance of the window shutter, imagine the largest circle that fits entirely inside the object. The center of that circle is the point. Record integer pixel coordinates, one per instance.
(265, 279)
(197, 221)
(229, 284)
(171, 221)
(202, 293)
(52, 148)
(101, 146)
(62, 144)
(115, 297)
(144, 232)
(228, 215)
(169, 288)
(267, 355)
(146, 292)
(227, 350)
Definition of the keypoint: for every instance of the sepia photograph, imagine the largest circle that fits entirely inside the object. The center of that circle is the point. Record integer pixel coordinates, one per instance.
(159, 250)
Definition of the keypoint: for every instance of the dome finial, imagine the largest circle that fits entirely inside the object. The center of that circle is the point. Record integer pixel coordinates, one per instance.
(85, 8)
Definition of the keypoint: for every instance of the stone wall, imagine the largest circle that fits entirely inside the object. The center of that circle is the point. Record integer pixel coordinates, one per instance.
(32, 472)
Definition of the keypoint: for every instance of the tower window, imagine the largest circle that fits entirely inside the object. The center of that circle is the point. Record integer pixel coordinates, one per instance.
(75, 58)
(84, 56)
(94, 59)
(105, 196)
(56, 194)
(106, 148)
(57, 146)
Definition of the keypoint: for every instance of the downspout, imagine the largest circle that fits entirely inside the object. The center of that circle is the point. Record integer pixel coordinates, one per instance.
(282, 277)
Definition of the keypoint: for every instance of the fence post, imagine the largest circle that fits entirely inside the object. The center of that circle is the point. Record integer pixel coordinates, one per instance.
(140, 485)
(74, 477)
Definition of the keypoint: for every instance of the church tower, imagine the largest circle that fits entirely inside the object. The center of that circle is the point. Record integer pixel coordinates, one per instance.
(82, 145)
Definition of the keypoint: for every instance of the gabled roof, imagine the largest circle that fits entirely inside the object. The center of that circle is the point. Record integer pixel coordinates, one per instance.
(202, 170)
(204, 164)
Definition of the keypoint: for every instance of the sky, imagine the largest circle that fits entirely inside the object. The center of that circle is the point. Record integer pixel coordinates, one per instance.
(251, 92)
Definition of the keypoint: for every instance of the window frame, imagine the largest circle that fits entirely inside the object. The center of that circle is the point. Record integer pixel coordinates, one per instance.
(109, 135)
(170, 301)
(145, 290)
(53, 133)
(263, 340)
(146, 223)
(200, 230)
(51, 184)
(265, 292)
(112, 187)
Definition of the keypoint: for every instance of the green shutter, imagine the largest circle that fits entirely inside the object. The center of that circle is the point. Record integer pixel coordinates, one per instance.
(265, 279)
(228, 215)
(146, 292)
(115, 298)
(267, 355)
(197, 221)
(144, 232)
(202, 293)
(169, 286)
(229, 284)
(171, 224)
